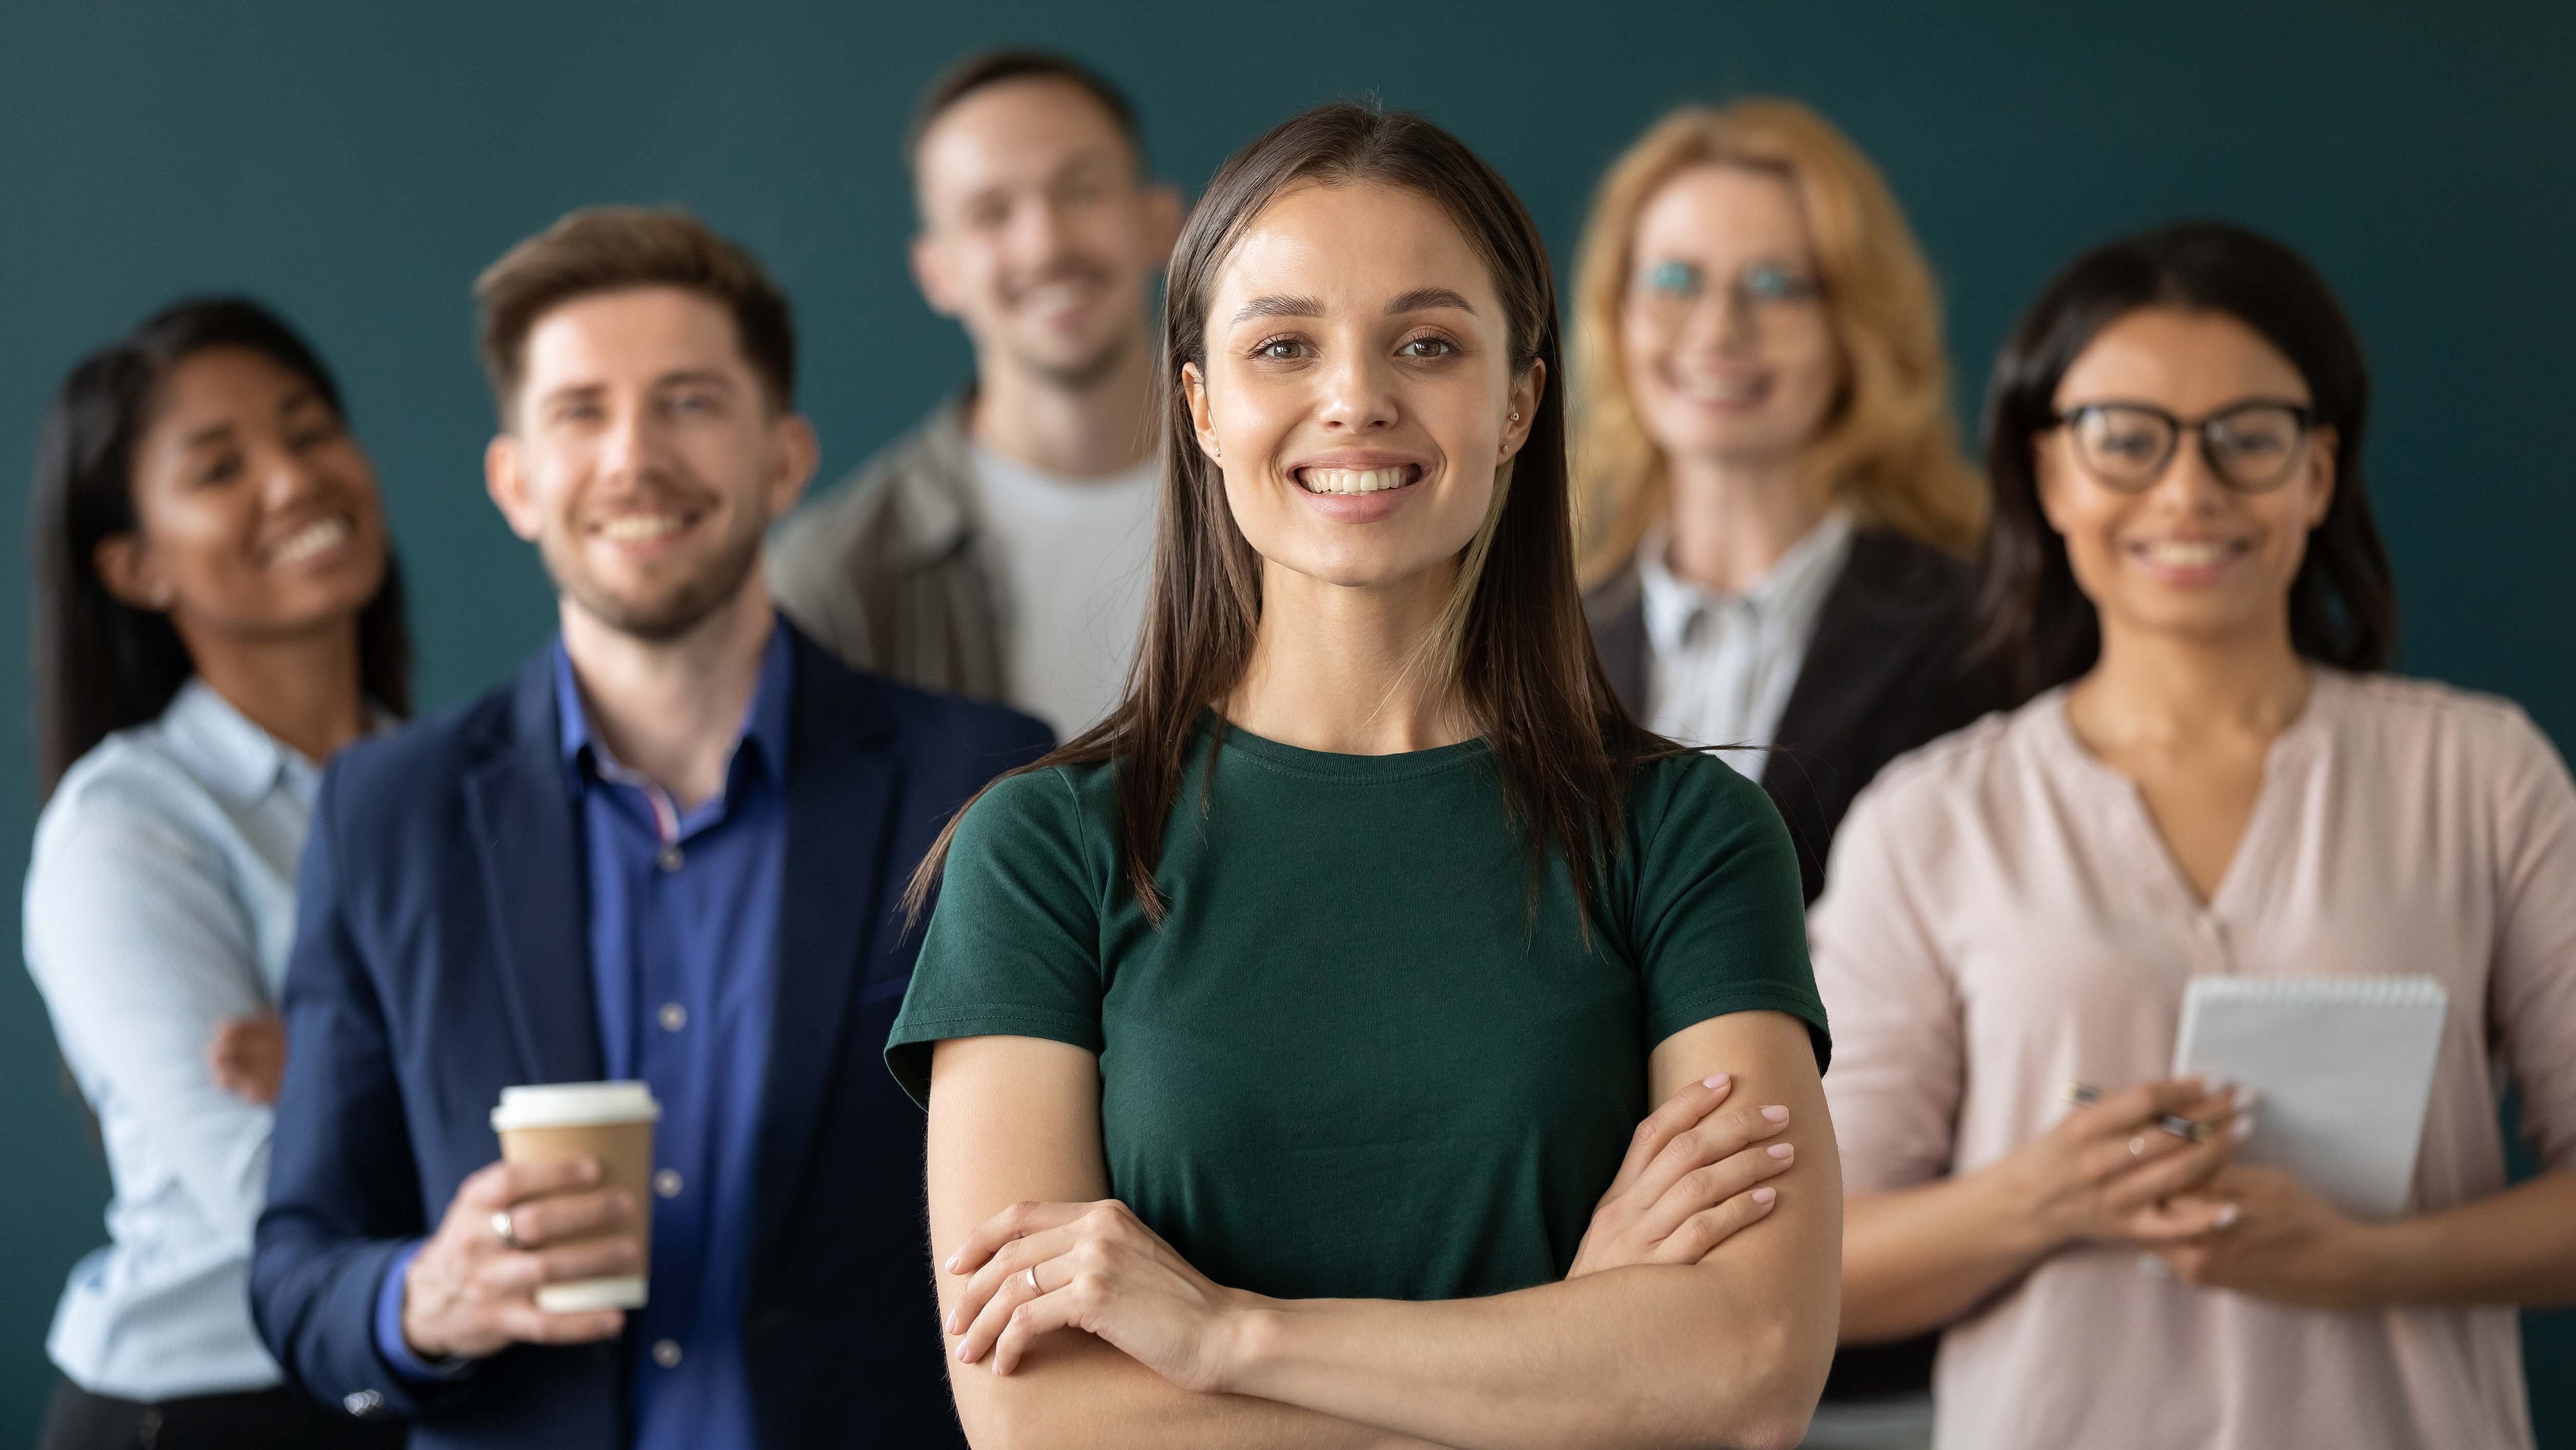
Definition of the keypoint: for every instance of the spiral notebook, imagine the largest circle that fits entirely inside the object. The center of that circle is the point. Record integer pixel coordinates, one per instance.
(2342, 1071)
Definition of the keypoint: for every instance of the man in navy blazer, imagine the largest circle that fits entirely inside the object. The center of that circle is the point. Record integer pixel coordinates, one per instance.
(672, 851)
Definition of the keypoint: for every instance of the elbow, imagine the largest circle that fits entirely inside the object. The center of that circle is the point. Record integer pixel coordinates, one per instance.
(1779, 1374)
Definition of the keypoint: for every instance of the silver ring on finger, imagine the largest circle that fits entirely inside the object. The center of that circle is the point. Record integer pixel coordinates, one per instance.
(1034, 1290)
(504, 1230)
(2138, 1146)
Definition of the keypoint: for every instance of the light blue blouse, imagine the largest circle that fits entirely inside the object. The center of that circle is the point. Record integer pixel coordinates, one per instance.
(160, 901)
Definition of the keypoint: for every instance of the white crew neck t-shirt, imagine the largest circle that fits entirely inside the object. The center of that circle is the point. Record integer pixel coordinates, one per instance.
(1076, 561)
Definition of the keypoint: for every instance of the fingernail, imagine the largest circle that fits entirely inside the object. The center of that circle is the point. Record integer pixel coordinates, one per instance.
(2244, 1098)
(1781, 1151)
(2243, 1128)
(950, 1263)
(1765, 1195)
(1776, 1113)
(2227, 1216)
(961, 1355)
(1713, 1081)
(950, 1323)
(2219, 1086)
(590, 1170)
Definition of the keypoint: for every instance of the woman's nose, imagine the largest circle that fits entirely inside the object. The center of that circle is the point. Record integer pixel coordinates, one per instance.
(1358, 394)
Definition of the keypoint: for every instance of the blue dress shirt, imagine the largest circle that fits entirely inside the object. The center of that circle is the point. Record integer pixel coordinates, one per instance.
(683, 918)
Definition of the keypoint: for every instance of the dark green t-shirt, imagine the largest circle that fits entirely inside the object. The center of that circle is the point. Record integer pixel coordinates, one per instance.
(1349, 1064)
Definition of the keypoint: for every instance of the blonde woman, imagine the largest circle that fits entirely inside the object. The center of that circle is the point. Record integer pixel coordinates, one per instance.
(1775, 508)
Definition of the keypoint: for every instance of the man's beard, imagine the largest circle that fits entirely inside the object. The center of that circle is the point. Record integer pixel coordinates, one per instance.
(679, 605)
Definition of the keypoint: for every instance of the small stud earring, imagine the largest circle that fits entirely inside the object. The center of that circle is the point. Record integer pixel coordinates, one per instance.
(1516, 417)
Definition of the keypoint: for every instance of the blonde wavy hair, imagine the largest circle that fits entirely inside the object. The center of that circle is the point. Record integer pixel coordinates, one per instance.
(1889, 450)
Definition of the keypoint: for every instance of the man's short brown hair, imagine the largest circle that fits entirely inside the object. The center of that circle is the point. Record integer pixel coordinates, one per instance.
(614, 248)
(993, 67)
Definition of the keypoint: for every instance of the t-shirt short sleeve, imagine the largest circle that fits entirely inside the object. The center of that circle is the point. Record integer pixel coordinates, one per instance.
(1013, 947)
(1717, 917)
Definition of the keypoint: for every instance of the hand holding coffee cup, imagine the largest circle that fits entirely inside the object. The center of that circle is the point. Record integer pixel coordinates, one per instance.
(469, 1293)
(548, 1246)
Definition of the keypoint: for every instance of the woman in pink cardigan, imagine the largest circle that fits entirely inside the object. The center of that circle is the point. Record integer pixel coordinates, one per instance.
(2216, 780)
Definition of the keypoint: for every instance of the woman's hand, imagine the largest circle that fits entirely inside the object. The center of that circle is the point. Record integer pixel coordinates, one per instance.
(2110, 1173)
(2273, 1237)
(1692, 1180)
(1040, 1267)
(248, 1056)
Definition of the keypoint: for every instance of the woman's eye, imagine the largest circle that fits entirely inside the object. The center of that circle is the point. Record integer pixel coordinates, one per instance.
(222, 470)
(1771, 283)
(1280, 349)
(1427, 347)
(1677, 279)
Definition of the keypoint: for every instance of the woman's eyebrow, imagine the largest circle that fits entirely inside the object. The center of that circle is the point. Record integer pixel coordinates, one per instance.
(1279, 306)
(1425, 299)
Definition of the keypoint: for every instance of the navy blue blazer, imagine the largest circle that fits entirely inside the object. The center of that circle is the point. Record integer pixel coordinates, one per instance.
(441, 955)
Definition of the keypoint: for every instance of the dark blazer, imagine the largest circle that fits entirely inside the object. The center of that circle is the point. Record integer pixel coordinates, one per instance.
(441, 955)
(1885, 673)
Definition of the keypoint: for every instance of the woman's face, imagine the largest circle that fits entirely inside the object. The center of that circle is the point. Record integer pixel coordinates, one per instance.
(1729, 353)
(256, 511)
(2186, 553)
(1359, 392)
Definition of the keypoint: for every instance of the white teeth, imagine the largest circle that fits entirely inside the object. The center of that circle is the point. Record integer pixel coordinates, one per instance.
(1353, 480)
(632, 528)
(2182, 554)
(312, 539)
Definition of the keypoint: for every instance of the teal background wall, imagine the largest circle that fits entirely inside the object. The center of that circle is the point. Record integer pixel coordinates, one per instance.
(356, 164)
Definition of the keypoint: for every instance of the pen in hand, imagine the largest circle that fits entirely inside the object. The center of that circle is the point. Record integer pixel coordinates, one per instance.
(2081, 1093)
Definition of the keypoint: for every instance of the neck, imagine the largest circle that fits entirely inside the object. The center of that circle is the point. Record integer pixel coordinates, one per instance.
(1084, 429)
(1732, 519)
(303, 690)
(673, 709)
(2156, 689)
(1341, 669)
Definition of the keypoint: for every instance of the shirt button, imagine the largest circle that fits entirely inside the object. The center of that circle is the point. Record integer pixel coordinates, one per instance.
(670, 858)
(362, 1402)
(666, 1353)
(666, 1183)
(673, 1016)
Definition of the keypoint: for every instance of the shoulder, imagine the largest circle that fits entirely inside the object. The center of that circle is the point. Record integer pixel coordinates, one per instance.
(836, 522)
(127, 793)
(1905, 567)
(1062, 814)
(1699, 786)
(929, 726)
(1926, 785)
(386, 777)
(1619, 597)
(2405, 727)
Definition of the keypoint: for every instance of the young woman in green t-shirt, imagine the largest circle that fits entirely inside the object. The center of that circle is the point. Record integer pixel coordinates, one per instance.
(1288, 1033)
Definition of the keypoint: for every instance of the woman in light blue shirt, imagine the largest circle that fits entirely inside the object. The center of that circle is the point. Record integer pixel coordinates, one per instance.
(216, 611)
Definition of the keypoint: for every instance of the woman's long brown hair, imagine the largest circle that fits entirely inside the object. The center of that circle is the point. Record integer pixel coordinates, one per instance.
(1521, 656)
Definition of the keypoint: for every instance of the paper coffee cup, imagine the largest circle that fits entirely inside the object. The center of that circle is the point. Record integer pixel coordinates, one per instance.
(609, 1121)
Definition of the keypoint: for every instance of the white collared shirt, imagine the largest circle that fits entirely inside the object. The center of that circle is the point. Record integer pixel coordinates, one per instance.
(1723, 665)
(161, 901)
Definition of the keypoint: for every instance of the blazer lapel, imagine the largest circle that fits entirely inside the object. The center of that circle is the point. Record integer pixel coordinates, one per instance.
(522, 816)
(841, 806)
(1617, 613)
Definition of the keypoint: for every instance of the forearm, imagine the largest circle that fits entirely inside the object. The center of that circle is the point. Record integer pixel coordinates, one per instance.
(1073, 1392)
(1643, 1356)
(1918, 1259)
(2514, 1247)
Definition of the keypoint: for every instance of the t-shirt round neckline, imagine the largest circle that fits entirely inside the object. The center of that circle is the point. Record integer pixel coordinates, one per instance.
(1332, 765)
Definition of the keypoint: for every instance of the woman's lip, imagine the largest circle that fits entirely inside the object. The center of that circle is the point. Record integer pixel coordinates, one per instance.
(1360, 459)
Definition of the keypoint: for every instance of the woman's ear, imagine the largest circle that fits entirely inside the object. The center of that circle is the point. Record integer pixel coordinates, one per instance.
(126, 569)
(1527, 389)
(1202, 422)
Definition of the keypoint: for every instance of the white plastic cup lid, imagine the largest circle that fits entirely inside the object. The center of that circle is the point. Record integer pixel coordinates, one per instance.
(574, 1105)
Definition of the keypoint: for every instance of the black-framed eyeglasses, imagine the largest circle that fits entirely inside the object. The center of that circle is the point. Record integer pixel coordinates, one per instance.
(2253, 447)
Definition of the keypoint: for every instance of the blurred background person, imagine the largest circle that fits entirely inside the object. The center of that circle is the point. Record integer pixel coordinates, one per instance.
(1775, 507)
(1001, 548)
(2218, 780)
(216, 612)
